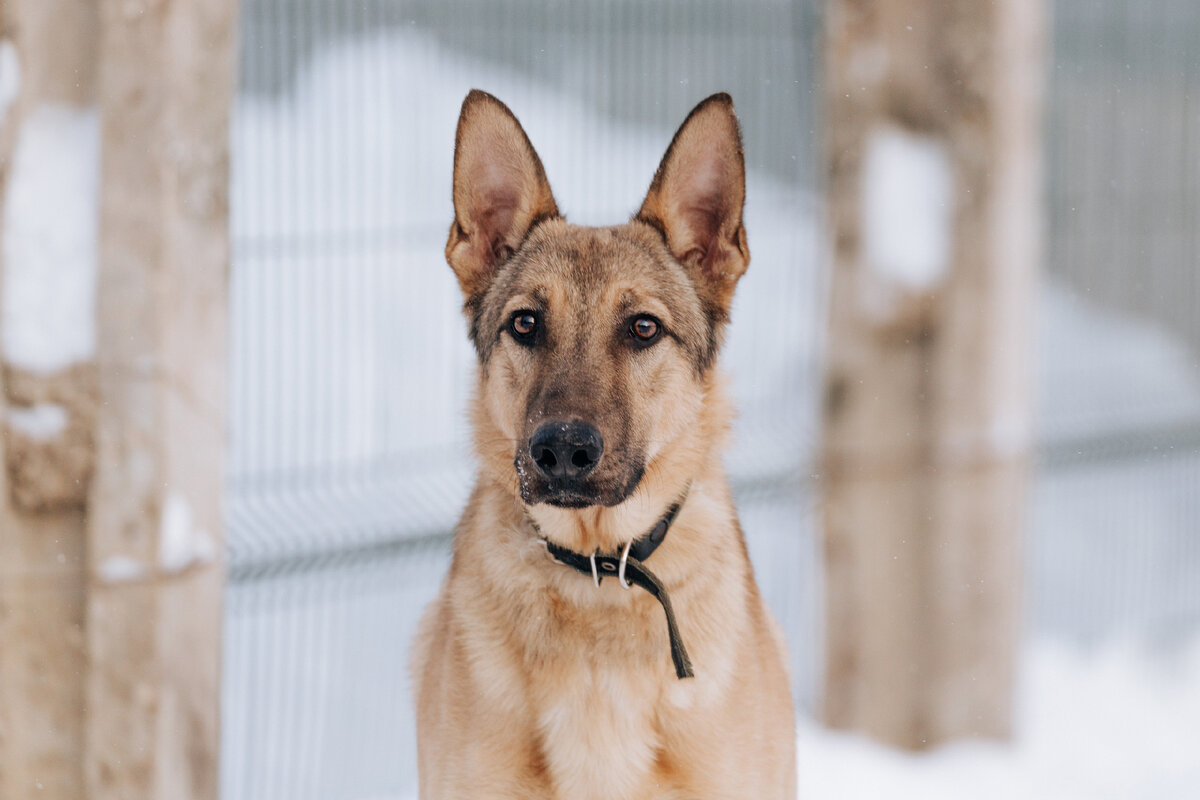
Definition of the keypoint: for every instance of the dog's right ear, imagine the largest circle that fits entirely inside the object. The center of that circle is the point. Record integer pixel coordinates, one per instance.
(500, 191)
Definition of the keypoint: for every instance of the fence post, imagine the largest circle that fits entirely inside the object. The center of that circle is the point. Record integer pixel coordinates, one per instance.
(933, 180)
(113, 282)
(154, 523)
(47, 388)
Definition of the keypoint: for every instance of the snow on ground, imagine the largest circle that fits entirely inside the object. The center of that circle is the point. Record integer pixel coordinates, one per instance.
(1112, 722)
(1100, 371)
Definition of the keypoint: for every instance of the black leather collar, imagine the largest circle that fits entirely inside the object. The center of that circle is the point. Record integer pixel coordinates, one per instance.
(627, 567)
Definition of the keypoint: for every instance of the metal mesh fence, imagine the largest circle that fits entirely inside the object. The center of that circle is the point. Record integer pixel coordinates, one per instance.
(351, 368)
(1125, 156)
(1115, 534)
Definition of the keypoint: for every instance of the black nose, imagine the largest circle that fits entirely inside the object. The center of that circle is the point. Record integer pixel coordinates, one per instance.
(566, 450)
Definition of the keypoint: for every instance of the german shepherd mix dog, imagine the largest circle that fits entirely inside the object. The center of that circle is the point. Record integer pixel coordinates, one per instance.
(600, 633)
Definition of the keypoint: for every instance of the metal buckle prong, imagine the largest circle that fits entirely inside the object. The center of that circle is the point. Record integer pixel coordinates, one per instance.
(624, 560)
(595, 573)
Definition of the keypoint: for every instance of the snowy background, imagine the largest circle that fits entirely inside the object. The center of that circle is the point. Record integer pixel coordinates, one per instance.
(351, 372)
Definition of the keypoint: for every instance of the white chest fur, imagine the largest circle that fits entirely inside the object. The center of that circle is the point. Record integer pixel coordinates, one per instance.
(599, 733)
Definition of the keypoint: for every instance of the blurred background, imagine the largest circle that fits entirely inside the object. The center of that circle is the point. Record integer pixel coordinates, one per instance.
(350, 369)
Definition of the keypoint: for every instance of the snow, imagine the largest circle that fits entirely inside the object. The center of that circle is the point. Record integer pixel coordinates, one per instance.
(10, 77)
(49, 241)
(122, 569)
(1100, 371)
(182, 544)
(907, 207)
(1114, 722)
(40, 422)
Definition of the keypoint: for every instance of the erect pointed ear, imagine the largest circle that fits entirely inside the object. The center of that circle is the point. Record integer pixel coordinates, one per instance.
(696, 200)
(500, 191)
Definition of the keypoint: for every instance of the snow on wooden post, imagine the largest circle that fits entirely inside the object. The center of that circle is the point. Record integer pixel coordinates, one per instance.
(113, 273)
(933, 157)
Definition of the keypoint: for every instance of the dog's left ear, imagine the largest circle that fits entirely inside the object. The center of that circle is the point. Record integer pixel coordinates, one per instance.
(500, 191)
(696, 200)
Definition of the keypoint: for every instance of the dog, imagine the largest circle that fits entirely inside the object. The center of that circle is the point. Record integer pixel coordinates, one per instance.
(600, 633)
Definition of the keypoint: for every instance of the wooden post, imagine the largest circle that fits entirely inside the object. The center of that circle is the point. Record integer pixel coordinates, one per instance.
(154, 610)
(113, 434)
(934, 201)
(47, 389)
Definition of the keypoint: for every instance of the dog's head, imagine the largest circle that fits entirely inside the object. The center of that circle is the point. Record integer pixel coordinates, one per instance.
(594, 344)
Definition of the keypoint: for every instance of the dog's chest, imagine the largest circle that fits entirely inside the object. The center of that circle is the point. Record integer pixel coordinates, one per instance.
(598, 733)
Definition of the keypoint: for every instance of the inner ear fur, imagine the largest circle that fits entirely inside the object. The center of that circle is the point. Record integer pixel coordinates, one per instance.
(696, 200)
(500, 191)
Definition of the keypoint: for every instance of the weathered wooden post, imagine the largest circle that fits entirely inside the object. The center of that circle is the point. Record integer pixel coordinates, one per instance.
(113, 280)
(933, 158)
(154, 605)
(48, 169)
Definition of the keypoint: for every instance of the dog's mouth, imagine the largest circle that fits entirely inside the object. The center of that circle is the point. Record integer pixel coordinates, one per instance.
(570, 500)
(576, 494)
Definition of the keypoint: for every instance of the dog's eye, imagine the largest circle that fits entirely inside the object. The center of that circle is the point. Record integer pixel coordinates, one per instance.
(645, 329)
(523, 325)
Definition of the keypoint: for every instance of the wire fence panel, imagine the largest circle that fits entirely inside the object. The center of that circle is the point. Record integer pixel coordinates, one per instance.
(351, 369)
(1124, 153)
(1115, 528)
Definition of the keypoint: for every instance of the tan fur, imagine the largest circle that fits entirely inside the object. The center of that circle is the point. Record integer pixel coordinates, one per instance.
(531, 682)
